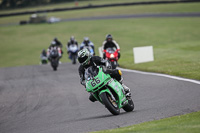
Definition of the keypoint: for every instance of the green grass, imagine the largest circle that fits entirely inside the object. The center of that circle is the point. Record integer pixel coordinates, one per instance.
(71, 4)
(189, 123)
(162, 8)
(176, 42)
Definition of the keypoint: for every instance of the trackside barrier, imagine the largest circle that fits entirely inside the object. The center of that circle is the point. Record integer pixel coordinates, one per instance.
(140, 54)
(97, 6)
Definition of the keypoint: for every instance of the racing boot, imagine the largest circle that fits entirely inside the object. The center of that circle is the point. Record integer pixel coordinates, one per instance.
(92, 98)
(126, 89)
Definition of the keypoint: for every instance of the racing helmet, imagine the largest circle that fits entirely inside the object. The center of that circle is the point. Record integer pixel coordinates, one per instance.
(109, 37)
(55, 39)
(84, 57)
(53, 43)
(72, 39)
(86, 40)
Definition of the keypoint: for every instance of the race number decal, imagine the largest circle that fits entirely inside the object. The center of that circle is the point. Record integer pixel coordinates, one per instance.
(95, 82)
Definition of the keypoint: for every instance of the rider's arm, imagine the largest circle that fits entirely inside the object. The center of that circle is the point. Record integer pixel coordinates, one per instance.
(60, 44)
(76, 43)
(100, 61)
(117, 45)
(81, 71)
(103, 46)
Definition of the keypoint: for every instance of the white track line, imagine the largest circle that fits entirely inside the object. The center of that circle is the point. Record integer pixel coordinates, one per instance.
(162, 75)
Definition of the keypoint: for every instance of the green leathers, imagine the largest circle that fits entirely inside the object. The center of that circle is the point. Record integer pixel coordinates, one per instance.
(107, 90)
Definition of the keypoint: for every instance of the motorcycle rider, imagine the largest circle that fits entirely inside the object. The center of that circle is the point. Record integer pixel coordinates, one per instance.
(51, 48)
(86, 42)
(110, 43)
(43, 53)
(71, 42)
(58, 43)
(86, 60)
(43, 56)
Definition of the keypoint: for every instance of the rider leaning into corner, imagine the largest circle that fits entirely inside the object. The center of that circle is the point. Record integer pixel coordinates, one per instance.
(110, 43)
(86, 60)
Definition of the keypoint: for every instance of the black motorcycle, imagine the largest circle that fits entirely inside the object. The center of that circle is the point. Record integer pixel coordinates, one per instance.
(54, 59)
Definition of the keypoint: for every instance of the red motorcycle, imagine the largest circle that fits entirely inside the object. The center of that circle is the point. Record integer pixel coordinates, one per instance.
(112, 55)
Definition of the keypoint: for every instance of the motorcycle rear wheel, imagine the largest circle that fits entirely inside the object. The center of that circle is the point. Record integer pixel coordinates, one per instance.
(109, 103)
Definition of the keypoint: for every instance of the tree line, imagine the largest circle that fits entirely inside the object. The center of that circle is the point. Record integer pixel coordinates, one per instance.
(10, 4)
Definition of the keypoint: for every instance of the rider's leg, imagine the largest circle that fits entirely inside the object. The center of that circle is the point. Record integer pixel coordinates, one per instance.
(92, 98)
(116, 74)
(126, 88)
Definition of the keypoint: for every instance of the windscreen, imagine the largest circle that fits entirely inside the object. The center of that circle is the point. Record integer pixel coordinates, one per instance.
(111, 50)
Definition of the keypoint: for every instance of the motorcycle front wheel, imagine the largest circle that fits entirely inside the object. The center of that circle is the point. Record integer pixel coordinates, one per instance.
(73, 59)
(114, 64)
(109, 103)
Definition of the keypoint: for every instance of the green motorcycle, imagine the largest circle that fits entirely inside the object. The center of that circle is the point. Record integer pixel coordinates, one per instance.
(107, 90)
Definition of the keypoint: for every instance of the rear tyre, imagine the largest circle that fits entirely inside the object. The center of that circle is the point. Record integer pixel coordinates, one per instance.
(130, 106)
(109, 103)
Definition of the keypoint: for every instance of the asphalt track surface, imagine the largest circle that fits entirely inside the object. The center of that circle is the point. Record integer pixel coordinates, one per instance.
(36, 99)
(125, 16)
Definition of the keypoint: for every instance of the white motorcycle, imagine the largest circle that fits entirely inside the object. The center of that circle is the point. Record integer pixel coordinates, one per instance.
(73, 51)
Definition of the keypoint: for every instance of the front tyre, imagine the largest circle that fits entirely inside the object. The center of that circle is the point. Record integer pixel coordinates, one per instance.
(130, 106)
(109, 103)
(113, 64)
(55, 68)
(73, 59)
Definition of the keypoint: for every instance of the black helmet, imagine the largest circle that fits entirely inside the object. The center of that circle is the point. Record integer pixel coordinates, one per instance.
(109, 37)
(55, 39)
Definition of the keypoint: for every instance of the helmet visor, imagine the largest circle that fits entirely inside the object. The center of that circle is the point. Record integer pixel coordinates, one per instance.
(83, 59)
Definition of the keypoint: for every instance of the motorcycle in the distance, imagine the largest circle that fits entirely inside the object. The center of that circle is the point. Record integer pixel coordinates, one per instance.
(90, 49)
(73, 51)
(107, 90)
(54, 59)
(112, 55)
(44, 60)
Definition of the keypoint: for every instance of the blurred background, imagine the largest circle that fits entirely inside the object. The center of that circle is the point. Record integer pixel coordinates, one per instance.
(172, 28)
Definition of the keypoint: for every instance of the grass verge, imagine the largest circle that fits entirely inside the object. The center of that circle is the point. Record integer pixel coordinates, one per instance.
(141, 9)
(189, 123)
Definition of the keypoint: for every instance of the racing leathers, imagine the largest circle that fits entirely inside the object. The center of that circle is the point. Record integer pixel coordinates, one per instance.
(51, 48)
(98, 61)
(110, 44)
(71, 43)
